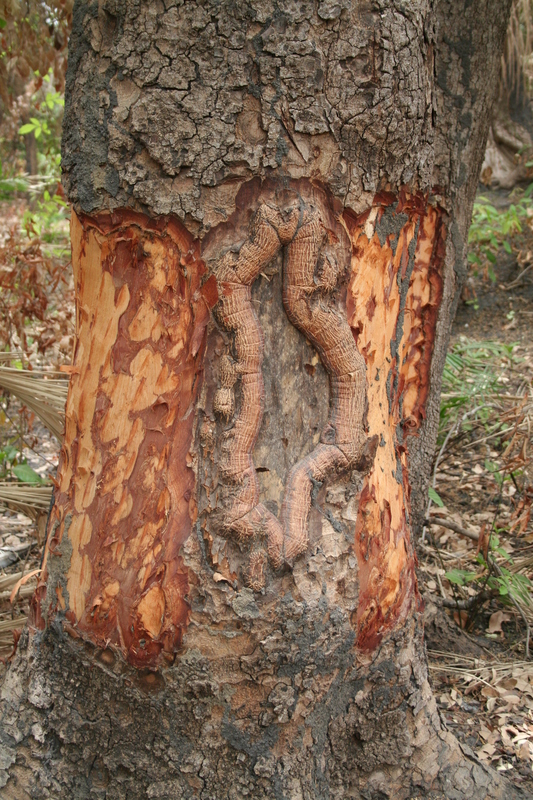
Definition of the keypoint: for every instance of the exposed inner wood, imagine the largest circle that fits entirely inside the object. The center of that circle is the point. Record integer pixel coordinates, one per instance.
(394, 295)
(311, 273)
(125, 496)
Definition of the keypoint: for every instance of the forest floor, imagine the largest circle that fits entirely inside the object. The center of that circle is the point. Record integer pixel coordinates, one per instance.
(474, 580)
(479, 670)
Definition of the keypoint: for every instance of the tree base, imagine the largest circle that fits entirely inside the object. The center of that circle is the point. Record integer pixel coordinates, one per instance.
(301, 723)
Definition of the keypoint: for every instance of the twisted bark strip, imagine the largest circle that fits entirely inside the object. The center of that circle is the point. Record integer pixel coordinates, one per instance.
(310, 274)
(235, 274)
(343, 439)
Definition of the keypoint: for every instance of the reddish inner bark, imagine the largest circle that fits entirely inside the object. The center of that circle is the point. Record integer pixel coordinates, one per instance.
(125, 500)
(126, 491)
(393, 299)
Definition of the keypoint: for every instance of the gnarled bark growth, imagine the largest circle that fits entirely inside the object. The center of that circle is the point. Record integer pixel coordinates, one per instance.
(310, 273)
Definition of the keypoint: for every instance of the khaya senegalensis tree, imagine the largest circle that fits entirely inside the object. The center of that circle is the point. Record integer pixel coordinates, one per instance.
(270, 209)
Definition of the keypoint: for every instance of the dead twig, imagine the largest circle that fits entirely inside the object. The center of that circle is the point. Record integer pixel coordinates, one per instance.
(517, 280)
(453, 526)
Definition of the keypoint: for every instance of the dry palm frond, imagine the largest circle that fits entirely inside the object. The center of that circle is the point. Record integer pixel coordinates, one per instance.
(7, 625)
(44, 395)
(26, 497)
(8, 581)
(23, 592)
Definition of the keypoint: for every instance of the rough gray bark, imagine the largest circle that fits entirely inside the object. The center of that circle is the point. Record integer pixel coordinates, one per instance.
(281, 687)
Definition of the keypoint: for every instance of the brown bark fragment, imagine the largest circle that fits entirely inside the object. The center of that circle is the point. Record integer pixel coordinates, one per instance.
(125, 498)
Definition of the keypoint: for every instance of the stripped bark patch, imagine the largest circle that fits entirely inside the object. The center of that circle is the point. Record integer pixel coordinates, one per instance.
(126, 484)
(315, 265)
(393, 299)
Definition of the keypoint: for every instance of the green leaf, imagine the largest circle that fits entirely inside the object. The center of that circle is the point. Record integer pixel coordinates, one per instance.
(507, 247)
(504, 554)
(26, 474)
(503, 587)
(11, 453)
(3, 24)
(461, 576)
(27, 128)
(435, 497)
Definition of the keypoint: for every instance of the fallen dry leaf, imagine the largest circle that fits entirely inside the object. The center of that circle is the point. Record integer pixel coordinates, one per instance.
(495, 621)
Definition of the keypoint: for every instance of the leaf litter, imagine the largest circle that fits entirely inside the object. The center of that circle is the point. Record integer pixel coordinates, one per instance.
(476, 553)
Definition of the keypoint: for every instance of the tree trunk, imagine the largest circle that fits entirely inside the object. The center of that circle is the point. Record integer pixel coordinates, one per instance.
(30, 146)
(271, 204)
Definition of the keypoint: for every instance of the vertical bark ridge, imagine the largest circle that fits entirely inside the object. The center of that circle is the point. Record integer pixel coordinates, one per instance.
(305, 297)
(235, 273)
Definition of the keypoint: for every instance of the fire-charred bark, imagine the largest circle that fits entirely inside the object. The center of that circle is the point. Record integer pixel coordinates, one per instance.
(271, 208)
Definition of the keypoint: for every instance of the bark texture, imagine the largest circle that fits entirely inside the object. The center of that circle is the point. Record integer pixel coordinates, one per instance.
(292, 715)
(271, 208)
(125, 500)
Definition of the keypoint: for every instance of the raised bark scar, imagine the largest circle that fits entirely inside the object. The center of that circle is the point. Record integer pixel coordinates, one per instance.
(310, 274)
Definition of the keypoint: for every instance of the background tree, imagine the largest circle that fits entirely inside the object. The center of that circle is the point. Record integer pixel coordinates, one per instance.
(271, 209)
(33, 38)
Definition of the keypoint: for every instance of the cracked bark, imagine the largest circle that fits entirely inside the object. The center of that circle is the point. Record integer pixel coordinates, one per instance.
(271, 207)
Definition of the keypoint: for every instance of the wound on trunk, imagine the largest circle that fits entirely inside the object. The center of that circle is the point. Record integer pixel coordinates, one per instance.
(365, 292)
(393, 298)
(125, 493)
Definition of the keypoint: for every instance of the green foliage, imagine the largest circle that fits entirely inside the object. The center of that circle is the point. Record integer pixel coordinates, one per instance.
(506, 583)
(40, 125)
(473, 371)
(36, 126)
(23, 472)
(46, 214)
(492, 229)
(47, 219)
(13, 466)
(45, 119)
(10, 186)
(435, 497)
(461, 576)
